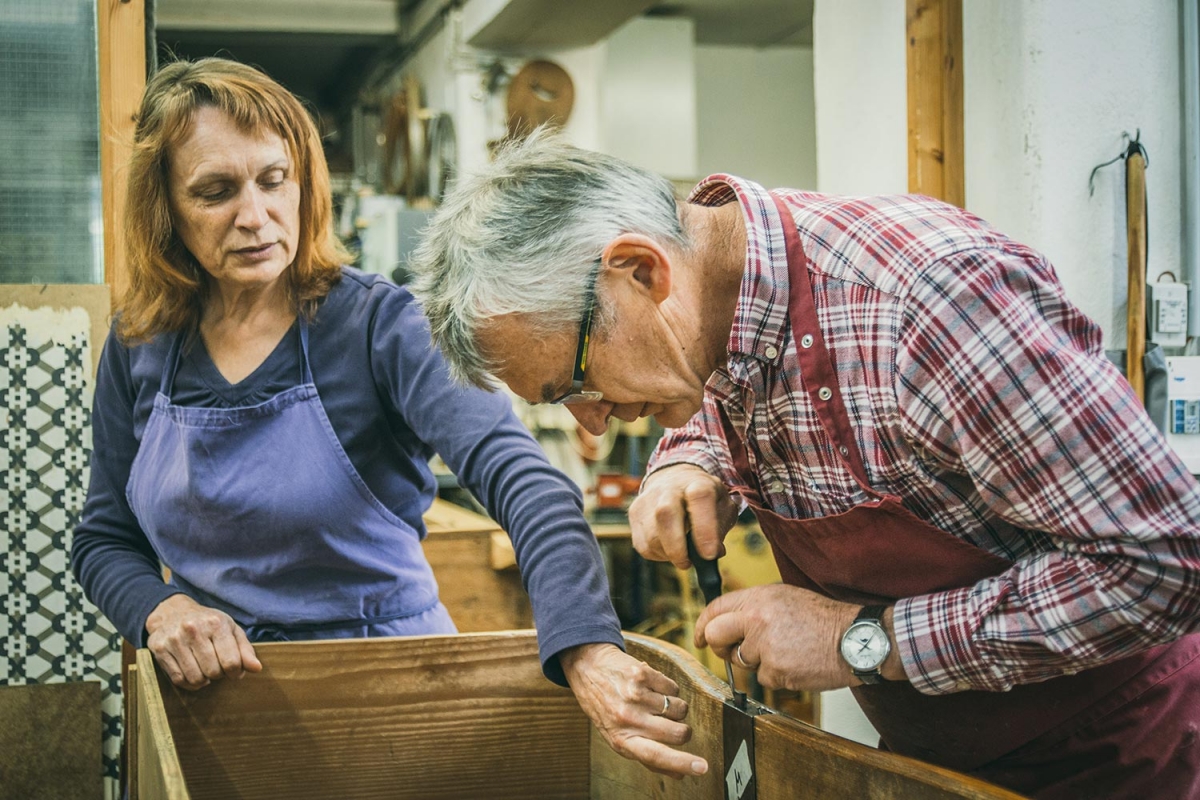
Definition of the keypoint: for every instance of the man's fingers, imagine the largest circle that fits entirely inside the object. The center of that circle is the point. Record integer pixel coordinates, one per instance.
(700, 498)
(670, 523)
(719, 625)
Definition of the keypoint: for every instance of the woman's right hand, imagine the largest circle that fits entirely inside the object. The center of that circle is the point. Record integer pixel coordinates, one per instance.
(196, 645)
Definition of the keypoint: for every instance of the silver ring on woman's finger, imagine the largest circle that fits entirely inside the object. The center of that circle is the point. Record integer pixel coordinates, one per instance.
(666, 705)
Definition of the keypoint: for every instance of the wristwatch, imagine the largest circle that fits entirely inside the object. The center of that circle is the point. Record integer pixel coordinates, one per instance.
(865, 644)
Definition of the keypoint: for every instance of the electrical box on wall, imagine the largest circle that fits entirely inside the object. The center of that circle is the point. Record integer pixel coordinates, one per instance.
(1183, 406)
(1168, 313)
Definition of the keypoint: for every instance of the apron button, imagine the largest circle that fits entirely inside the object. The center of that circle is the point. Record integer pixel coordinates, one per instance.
(845, 451)
(771, 351)
(824, 393)
(806, 340)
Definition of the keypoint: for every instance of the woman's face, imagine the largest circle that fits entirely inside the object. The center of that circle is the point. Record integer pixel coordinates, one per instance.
(235, 202)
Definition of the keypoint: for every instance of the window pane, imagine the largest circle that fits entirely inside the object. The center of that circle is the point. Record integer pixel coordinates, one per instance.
(50, 217)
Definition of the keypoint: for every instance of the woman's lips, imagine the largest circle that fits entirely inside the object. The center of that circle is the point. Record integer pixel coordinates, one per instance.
(255, 253)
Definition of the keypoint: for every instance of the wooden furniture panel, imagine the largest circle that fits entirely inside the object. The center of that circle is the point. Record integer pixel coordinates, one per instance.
(50, 738)
(406, 717)
(467, 716)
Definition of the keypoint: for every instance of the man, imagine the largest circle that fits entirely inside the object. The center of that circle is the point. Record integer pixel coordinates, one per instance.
(978, 527)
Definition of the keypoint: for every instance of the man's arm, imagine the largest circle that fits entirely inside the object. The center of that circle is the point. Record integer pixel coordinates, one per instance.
(1001, 381)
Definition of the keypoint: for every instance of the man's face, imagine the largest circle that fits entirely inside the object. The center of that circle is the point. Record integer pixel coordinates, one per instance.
(635, 364)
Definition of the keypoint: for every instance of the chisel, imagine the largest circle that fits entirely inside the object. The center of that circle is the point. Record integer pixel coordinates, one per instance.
(709, 578)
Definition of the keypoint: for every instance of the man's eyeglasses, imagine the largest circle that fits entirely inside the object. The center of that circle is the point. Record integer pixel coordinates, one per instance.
(576, 394)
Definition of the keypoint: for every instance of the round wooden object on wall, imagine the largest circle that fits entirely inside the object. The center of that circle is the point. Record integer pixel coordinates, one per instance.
(540, 92)
(405, 152)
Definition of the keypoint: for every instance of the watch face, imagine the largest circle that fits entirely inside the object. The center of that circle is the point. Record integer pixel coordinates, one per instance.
(865, 646)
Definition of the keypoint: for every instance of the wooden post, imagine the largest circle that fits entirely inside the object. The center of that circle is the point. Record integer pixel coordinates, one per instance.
(121, 31)
(1135, 233)
(935, 100)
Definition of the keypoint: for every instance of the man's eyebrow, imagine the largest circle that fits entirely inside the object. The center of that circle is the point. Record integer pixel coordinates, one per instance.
(549, 392)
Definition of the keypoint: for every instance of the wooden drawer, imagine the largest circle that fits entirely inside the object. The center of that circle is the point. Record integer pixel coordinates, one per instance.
(467, 716)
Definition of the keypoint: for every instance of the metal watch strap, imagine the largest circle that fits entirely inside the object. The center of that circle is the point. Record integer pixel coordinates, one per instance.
(871, 614)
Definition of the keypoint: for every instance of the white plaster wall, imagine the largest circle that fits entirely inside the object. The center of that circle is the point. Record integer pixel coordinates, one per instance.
(1048, 90)
(648, 95)
(860, 93)
(755, 114)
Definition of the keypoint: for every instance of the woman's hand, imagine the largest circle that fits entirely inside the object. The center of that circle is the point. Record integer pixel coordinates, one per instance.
(196, 645)
(635, 707)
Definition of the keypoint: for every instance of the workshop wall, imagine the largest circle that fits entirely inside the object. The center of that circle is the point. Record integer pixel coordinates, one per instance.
(649, 94)
(1049, 88)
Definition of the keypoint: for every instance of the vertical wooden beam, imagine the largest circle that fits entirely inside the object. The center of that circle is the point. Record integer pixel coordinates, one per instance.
(935, 100)
(121, 31)
(1135, 232)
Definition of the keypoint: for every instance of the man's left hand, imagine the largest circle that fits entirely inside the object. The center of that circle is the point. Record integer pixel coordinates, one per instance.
(635, 707)
(790, 636)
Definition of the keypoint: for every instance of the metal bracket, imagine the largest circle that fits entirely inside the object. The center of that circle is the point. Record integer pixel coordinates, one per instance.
(738, 736)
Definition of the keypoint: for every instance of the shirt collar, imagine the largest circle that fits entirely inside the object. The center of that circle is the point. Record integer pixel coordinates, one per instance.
(760, 319)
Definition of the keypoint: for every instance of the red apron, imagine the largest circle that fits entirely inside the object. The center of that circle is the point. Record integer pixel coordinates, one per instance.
(1127, 728)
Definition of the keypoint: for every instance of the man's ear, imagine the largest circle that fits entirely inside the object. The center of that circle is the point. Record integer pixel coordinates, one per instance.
(638, 258)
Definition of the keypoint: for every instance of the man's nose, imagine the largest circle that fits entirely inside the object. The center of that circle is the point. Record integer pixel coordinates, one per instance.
(592, 416)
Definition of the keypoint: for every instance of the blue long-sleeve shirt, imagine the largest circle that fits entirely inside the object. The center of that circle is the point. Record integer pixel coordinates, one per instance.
(392, 405)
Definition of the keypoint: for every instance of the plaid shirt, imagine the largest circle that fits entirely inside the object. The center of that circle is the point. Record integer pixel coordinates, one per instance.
(982, 398)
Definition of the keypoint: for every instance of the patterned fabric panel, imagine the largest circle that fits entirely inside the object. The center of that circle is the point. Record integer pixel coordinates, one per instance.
(49, 632)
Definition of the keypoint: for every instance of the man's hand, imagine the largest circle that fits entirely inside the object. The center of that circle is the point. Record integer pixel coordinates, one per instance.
(790, 636)
(670, 500)
(196, 645)
(625, 700)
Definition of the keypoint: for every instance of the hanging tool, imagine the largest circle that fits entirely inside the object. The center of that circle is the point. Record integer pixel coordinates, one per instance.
(1136, 224)
(739, 712)
(1135, 234)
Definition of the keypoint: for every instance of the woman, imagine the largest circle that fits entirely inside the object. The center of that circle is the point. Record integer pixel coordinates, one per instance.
(264, 419)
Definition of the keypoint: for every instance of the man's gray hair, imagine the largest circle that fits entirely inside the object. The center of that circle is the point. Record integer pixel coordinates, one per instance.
(522, 235)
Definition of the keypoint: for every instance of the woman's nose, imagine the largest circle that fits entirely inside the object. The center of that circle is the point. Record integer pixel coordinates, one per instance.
(592, 416)
(252, 209)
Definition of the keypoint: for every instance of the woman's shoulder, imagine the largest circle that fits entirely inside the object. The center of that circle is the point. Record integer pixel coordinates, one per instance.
(363, 297)
(358, 290)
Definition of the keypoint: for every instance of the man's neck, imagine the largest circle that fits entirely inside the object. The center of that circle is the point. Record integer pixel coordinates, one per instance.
(717, 261)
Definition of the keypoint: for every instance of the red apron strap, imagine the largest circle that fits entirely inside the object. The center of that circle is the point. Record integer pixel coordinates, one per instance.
(817, 372)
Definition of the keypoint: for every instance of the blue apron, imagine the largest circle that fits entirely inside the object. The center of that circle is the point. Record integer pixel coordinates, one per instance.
(258, 512)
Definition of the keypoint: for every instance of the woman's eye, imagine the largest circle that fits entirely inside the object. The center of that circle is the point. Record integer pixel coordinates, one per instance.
(214, 195)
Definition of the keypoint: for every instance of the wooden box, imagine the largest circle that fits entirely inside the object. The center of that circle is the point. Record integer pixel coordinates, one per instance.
(467, 716)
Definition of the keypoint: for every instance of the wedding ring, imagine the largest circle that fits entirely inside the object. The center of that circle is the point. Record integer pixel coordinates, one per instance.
(738, 657)
(666, 705)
